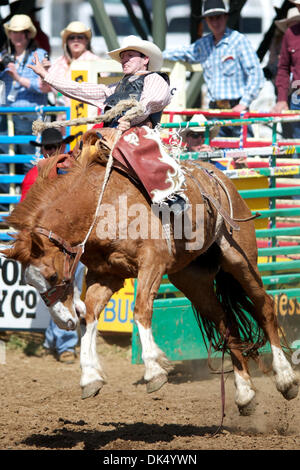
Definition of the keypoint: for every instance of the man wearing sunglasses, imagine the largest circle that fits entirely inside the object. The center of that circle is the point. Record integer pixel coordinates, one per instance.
(194, 140)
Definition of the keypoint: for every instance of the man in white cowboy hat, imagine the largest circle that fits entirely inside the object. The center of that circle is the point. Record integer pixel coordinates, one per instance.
(231, 68)
(141, 63)
(293, 16)
(288, 72)
(270, 70)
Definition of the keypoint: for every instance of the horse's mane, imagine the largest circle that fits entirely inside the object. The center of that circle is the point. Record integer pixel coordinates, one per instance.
(94, 150)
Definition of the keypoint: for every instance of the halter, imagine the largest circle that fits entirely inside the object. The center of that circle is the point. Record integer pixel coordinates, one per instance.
(73, 253)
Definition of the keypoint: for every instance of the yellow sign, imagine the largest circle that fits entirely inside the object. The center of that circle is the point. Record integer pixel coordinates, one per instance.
(118, 313)
(255, 204)
(79, 109)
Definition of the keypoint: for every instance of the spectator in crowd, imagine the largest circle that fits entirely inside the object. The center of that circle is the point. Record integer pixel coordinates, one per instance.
(194, 138)
(76, 45)
(293, 16)
(22, 86)
(58, 342)
(231, 68)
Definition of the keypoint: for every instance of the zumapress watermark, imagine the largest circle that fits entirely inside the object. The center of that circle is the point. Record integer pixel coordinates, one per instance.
(2, 352)
(125, 221)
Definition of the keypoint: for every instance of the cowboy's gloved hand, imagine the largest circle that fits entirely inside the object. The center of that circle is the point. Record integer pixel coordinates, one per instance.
(124, 124)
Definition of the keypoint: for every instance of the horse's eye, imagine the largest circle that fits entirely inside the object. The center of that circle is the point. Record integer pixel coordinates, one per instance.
(53, 279)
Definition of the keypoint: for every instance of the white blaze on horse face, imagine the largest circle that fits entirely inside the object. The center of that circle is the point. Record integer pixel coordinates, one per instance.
(34, 277)
(60, 314)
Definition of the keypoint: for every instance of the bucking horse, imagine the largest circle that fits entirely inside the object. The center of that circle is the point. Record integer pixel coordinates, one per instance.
(208, 251)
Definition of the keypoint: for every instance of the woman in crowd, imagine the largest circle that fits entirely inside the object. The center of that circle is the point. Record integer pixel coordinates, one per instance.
(76, 44)
(20, 86)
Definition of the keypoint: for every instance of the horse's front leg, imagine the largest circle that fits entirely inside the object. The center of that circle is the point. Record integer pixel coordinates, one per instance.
(156, 363)
(92, 375)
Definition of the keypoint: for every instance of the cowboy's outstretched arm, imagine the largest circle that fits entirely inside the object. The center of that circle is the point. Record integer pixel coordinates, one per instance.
(91, 93)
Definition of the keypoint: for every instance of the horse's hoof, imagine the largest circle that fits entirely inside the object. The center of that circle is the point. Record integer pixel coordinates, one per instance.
(247, 410)
(156, 383)
(92, 389)
(291, 392)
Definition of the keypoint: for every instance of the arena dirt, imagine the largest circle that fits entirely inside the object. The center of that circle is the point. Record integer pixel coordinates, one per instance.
(41, 408)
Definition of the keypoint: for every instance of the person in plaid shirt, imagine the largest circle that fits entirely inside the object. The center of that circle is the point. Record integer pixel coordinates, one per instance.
(231, 68)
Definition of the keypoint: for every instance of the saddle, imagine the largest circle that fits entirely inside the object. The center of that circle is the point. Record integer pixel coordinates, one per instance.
(140, 154)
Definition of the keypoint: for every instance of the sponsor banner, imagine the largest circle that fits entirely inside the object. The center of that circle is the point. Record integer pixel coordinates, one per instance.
(118, 314)
(21, 307)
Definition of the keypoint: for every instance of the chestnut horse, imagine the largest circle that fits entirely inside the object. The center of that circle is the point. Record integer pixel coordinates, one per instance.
(214, 262)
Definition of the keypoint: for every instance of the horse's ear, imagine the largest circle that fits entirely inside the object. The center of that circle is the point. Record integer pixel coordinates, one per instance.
(37, 248)
(21, 248)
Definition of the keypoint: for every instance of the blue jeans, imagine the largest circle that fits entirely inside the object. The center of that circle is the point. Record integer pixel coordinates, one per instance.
(22, 126)
(62, 340)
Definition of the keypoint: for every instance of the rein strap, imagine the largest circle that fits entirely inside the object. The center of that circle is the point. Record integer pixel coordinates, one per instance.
(76, 251)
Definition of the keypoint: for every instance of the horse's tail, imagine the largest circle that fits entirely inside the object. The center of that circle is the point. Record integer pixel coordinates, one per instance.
(239, 321)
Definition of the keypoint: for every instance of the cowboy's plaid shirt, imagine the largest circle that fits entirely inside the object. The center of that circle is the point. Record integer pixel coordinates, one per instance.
(155, 96)
(231, 68)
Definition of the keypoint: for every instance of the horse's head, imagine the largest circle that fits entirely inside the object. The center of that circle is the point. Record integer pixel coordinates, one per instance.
(49, 266)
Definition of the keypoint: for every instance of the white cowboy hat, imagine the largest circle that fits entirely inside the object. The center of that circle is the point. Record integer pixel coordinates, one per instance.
(20, 23)
(296, 2)
(75, 27)
(134, 43)
(200, 119)
(293, 16)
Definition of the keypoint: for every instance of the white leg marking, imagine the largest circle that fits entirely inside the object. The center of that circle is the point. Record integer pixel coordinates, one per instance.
(155, 361)
(284, 374)
(79, 305)
(90, 365)
(244, 391)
